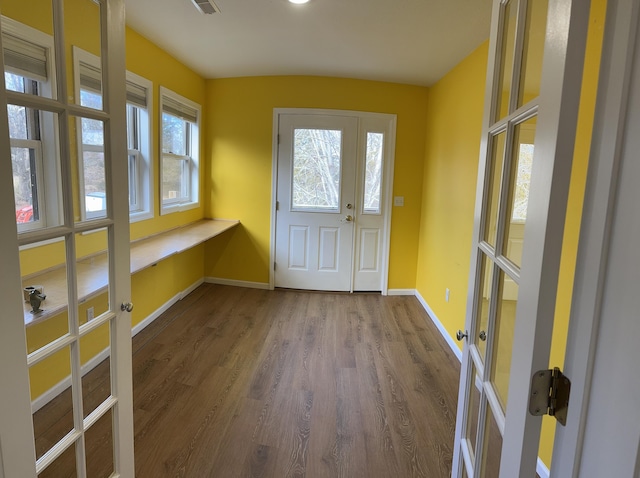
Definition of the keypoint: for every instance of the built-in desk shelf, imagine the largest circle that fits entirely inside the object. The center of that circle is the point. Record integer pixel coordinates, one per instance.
(92, 271)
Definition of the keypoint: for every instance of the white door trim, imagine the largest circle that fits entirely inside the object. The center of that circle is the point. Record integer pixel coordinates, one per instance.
(606, 150)
(387, 178)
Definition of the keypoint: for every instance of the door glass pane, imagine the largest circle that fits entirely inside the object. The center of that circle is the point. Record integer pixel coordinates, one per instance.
(484, 303)
(52, 422)
(91, 168)
(63, 466)
(92, 268)
(504, 329)
(474, 410)
(82, 30)
(99, 446)
(28, 48)
(533, 51)
(317, 155)
(492, 448)
(506, 64)
(373, 173)
(520, 180)
(94, 356)
(25, 185)
(44, 291)
(493, 185)
(35, 167)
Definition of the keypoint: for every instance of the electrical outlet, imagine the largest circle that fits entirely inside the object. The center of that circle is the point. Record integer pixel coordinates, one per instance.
(446, 294)
(90, 313)
(398, 201)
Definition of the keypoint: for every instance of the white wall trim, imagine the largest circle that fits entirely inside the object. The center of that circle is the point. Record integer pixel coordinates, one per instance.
(443, 331)
(238, 283)
(401, 292)
(65, 383)
(542, 469)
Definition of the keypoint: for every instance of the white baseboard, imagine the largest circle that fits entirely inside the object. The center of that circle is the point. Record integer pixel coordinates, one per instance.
(65, 383)
(237, 283)
(401, 292)
(443, 331)
(542, 469)
(164, 307)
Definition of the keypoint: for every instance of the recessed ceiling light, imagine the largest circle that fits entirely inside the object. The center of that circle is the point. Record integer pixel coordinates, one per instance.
(298, 2)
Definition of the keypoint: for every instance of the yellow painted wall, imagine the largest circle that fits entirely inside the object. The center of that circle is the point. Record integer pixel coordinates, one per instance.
(239, 149)
(454, 124)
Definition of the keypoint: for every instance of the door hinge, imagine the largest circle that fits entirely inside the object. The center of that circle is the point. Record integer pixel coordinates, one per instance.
(278, 139)
(277, 205)
(550, 394)
(274, 266)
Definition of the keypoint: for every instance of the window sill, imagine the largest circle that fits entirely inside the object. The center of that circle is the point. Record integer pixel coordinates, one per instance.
(92, 271)
(177, 207)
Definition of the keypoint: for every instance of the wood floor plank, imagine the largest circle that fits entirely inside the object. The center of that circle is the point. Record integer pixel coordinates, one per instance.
(233, 382)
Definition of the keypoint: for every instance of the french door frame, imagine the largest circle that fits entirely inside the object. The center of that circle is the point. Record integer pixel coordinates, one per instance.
(609, 129)
(556, 109)
(17, 447)
(387, 178)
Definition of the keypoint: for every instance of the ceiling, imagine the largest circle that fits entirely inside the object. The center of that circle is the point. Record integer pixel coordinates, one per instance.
(402, 41)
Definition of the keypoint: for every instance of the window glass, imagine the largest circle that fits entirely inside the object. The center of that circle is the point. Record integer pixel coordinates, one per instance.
(373, 173)
(317, 155)
(174, 135)
(180, 174)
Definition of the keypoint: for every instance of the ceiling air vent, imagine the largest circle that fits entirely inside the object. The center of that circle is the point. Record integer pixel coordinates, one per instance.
(206, 6)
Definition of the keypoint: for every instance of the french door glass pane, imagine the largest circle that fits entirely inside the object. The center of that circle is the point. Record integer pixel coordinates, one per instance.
(85, 13)
(492, 447)
(504, 329)
(55, 420)
(99, 447)
(92, 173)
(92, 268)
(317, 155)
(63, 466)
(484, 303)
(96, 384)
(24, 162)
(493, 195)
(474, 410)
(373, 172)
(520, 180)
(533, 50)
(506, 64)
(44, 275)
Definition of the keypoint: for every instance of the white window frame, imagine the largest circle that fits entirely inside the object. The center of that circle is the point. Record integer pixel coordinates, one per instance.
(48, 180)
(191, 198)
(143, 208)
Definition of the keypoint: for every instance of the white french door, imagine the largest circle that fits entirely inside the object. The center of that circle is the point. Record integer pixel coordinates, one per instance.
(53, 420)
(334, 169)
(531, 104)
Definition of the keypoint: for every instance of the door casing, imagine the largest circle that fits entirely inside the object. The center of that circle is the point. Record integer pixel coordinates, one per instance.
(387, 182)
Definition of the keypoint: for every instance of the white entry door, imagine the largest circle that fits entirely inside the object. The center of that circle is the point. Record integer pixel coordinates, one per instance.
(533, 84)
(53, 422)
(332, 211)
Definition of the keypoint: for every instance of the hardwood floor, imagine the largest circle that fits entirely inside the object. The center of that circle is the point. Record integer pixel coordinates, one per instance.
(234, 382)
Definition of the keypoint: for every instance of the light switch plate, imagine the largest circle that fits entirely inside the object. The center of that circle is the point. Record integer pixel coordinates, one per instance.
(398, 201)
